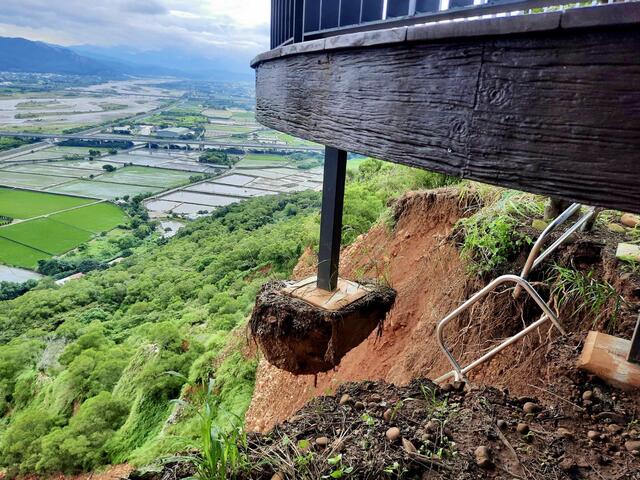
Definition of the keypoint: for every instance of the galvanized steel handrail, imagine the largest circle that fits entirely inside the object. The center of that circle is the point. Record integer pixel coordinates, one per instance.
(534, 259)
(458, 371)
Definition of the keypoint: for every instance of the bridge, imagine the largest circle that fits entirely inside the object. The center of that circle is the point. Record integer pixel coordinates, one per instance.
(160, 141)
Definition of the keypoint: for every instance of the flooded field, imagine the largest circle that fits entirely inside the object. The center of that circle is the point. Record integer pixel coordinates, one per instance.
(194, 200)
(17, 275)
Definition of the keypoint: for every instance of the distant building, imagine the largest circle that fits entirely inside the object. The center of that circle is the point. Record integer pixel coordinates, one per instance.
(123, 130)
(146, 130)
(75, 276)
(176, 132)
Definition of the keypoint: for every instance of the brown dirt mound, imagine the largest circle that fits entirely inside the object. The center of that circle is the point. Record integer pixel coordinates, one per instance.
(303, 339)
(440, 431)
(374, 430)
(421, 262)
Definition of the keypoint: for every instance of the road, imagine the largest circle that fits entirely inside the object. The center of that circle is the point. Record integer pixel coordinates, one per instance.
(159, 141)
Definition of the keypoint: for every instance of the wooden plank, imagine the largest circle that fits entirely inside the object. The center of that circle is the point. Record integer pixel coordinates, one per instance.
(606, 357)
(555, 113)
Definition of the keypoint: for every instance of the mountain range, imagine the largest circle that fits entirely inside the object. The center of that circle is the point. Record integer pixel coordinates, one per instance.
(22, 55)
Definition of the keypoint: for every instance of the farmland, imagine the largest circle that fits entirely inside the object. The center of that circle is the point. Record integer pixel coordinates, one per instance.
(46, 225)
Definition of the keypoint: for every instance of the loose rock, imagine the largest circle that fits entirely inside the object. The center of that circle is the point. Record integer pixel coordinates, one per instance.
(345, 399)
(616, 228)
(483, 457)
(277, 476)
(587, 395)
(567, 464)
(632, 445)
(408, 446)
(359, 406)
(565, 433)
(393, 434)
(530, 407)
(322, 442)
(593, 435)
(614, 429)
(630, 220)
(522, 428)
(388, 413)
(502, 425)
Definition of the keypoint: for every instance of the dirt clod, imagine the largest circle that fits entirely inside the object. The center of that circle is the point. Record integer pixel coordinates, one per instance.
(304, 339)
(523, 428)
(531, 407)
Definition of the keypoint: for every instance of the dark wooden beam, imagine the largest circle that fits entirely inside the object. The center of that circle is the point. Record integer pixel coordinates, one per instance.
(554, 112)
(335, 169)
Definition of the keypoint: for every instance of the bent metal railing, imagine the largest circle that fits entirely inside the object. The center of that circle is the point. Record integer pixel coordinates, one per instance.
(295, 21)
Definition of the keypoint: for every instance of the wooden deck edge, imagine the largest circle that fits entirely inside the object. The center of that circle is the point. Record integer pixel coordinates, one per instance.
(584, 17)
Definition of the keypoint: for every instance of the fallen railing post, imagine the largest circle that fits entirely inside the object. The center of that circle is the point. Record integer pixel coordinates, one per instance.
(634, 351)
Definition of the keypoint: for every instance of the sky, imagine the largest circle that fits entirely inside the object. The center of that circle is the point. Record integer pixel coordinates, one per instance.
(237, 29)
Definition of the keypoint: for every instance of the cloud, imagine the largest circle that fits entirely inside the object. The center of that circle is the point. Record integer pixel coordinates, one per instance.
(211, 28)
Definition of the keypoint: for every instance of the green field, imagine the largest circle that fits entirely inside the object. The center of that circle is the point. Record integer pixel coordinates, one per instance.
(94, 218)
(17, 255)
(23, 204)
(69, 222)
(46, 235)
(147, 176)
(103, 190)
(27, 180)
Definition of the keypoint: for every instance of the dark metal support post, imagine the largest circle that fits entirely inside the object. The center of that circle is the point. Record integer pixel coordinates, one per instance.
(634, 352)
(335, 169)
(298, 21)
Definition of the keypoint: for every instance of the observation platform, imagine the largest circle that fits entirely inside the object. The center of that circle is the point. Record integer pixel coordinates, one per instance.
(547, 103)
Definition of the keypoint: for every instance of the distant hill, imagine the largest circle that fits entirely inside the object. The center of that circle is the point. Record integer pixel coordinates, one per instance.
(21, 55)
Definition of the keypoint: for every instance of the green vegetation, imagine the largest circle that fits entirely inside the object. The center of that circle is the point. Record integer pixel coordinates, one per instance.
(489, 238)
(24, 204)
(218, 157)
(84, 368)
(7, 143)
(583, 292)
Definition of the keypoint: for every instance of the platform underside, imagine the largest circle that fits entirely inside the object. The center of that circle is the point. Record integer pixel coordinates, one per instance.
(551, 106)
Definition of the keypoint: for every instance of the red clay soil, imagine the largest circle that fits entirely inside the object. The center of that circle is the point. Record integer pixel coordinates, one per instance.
(421, 262)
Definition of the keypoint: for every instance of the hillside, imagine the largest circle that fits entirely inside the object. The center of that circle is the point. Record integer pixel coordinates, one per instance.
(443, 247)
(88, 371)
